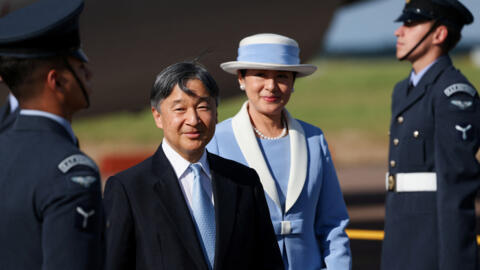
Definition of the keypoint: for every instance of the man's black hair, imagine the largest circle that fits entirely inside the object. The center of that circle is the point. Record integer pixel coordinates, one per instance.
(453, 37)
(179, 74)
(16, 72)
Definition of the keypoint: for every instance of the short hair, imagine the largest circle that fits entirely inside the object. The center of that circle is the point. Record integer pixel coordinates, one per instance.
(453, 37)
(16, 72)
(179, 74)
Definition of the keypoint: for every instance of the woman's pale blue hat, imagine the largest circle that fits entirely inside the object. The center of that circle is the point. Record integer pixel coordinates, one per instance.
(270, 52)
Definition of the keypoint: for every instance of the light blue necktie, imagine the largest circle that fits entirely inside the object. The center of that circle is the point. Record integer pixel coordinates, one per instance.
(204, 214)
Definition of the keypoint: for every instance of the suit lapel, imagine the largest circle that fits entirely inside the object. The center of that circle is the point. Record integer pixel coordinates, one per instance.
(174, 205)
(404, 101)
(417, 92)
(243, 131)
(225, 197)
(298, 161)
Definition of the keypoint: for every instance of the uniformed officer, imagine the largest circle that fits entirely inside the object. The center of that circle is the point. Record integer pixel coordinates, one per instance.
(50, 197)
(434, 135)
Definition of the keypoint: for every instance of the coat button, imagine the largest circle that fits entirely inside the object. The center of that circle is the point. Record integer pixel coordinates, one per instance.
(400, 119)
(392, 163)
(416, 134)
(396, 141)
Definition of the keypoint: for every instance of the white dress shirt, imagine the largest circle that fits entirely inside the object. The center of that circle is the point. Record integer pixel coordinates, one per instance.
(60, 120)
(185, 173)
(13, 102)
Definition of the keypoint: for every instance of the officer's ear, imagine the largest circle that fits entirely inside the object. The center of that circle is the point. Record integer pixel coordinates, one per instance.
(55, 80)
(440, 35)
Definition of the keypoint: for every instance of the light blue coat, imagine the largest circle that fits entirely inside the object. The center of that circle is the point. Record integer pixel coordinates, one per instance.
(312, 228)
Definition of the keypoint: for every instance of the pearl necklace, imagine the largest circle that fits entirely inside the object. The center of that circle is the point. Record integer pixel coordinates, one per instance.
(263, 136)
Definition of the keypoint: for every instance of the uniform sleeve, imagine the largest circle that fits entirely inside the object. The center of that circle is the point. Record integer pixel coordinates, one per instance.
(70, 208)
(269, 256)
(457, 139)
(120, 242)
(332, 217)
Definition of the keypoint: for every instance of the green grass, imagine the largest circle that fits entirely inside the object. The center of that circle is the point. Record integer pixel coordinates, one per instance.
(344, 95)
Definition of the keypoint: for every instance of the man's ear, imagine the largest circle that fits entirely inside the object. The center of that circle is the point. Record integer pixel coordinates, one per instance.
(55, 81)
(157, 117)
(440, 35)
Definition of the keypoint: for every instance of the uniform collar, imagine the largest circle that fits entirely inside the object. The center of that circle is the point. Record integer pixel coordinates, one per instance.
(60, 120)
(13, 103)
(181, 165)
(415, 78)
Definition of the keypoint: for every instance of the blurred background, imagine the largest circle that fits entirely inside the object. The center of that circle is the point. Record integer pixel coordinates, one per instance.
(351, 41)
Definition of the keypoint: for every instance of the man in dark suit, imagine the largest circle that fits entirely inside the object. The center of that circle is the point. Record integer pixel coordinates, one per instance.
(184, 208)
(50, 196)
(8, 113)
(434, 134)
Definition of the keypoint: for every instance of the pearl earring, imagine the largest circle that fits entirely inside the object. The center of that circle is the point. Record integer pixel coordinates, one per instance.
(242, 87)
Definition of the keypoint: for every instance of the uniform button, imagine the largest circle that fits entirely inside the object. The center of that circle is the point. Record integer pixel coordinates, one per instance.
(392, 163)
(400, 119)
(396, 141)
(416, 134)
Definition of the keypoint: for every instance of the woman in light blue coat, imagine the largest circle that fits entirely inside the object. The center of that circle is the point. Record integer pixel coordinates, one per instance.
(291, 157)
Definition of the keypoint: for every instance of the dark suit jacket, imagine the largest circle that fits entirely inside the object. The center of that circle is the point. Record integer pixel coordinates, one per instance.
(45, 180)
(150, 227)
(7, 118)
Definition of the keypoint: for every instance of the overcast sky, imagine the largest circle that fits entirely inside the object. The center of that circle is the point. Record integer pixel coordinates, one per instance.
(369, 26)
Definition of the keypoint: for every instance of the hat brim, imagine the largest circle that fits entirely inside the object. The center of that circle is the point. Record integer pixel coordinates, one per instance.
(412, 17)
(80, 55)
(302, 70)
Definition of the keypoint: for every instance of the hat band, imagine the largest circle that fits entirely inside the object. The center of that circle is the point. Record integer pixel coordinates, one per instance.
(269, 53)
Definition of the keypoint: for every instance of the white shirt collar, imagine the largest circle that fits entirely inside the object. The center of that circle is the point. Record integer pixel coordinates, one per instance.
(415, 78)
(179, 164)
(13, 102)
(60, 120)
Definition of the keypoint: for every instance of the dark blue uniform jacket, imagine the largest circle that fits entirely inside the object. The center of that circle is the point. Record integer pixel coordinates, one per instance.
(435, 128)
(50, 200)
(7, 118)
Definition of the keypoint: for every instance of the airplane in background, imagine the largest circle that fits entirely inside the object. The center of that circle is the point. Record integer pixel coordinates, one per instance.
(130, 42)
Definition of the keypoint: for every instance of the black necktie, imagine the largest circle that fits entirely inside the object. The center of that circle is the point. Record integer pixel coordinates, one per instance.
(410, 87)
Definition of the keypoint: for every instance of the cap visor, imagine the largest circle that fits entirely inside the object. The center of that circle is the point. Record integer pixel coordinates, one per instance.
(412, 17)
(80, 55)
